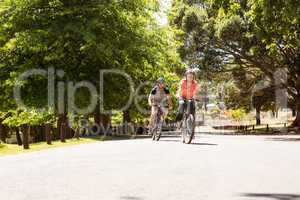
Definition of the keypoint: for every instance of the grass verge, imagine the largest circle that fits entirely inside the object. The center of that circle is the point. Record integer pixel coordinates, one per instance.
(10, 149)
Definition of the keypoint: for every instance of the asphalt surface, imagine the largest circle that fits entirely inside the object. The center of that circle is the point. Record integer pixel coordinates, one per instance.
(213, 167)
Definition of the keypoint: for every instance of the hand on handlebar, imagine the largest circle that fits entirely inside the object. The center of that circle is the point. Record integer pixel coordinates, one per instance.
(196, 98)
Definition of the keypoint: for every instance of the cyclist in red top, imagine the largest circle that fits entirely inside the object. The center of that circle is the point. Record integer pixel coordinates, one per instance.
(188, 89)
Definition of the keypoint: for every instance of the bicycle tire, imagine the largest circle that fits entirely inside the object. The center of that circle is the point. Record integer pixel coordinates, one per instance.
(154, 129)
(156, 132)
(189, 129)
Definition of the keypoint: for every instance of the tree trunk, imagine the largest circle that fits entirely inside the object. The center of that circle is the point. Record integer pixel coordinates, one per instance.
(126, 116)
(77, 131)
(1, 131)
(258, 120)
(84, 132)
(41, 130)
(296, 122)
(33, 134)
(103, 121)
(48, 134)
(97, 123)
(58, 124)
(63, 129)
(19, 139)
(126, 120)
(294, 113)
(68, 132)
(25, 133)
(97, 118)
(62, 119)
(106, 121)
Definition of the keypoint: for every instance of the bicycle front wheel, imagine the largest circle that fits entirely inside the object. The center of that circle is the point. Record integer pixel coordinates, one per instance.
(189, 129)
(156, 131)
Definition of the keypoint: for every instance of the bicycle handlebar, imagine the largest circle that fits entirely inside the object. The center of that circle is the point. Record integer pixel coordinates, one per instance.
(193, 99)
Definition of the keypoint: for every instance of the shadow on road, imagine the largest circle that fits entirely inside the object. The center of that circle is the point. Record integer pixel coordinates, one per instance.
(203, 144)
(163, 140)
(273, 196)
(284, 139)
(117, 137)
(193, 143)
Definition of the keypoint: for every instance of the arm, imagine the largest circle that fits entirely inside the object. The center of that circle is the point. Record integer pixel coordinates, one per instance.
(151, 95)
(196, 91)
(169, 98)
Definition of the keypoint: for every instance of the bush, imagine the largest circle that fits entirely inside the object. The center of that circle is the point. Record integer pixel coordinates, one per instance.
(238, 114)
(117, 118)
(30, 117)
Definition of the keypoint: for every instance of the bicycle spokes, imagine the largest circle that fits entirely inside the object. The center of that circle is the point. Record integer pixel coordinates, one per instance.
(156, 133)
(188, 129)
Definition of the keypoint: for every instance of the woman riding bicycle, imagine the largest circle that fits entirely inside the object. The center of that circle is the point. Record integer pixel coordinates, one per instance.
(187, 90)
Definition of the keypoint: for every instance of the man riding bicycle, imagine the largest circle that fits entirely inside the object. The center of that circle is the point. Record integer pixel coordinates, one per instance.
(187, 90)
(159, 99)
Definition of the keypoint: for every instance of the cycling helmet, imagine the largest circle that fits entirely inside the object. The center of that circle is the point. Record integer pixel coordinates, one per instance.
(191, 71)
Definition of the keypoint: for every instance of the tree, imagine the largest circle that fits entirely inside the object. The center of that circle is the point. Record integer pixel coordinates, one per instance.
(81, 38)
(258, 36)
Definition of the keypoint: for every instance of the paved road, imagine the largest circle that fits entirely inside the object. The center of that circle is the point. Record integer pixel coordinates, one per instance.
(214, 168)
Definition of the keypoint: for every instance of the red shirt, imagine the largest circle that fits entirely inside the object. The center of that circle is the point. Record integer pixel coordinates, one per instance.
(192, 90)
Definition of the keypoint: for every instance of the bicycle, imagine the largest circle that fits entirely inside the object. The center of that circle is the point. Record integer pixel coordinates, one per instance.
(188, 123)
(158, 122)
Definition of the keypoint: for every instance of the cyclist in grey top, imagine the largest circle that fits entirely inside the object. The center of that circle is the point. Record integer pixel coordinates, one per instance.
(159, 98)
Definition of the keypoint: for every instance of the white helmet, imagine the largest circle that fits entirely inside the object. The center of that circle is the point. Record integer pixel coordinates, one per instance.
(191, 71)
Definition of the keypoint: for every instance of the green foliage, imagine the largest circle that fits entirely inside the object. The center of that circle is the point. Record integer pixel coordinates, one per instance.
(238, 114)
(248, 38)
(30, 117)
(2, 115)
(117, 118)
(81, 38)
